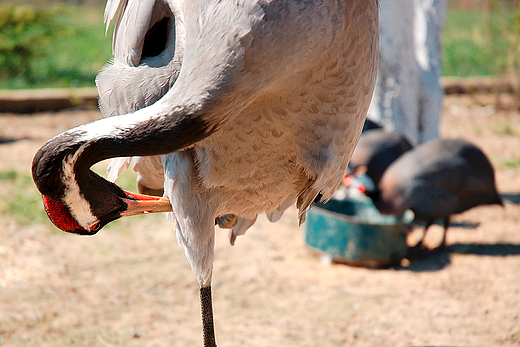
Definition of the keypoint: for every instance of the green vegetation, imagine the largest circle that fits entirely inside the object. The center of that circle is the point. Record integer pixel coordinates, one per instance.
(22, 201)
(24, 34)
(66, 46)
(480, 44)
(51, 46)
(126, 179)
(512, 163)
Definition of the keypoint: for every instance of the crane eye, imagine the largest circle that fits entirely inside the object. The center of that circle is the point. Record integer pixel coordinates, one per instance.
(97, 227)
(94, 228)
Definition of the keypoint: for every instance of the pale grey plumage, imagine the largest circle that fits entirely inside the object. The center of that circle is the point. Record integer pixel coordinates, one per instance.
(289, 85)
(131, 83)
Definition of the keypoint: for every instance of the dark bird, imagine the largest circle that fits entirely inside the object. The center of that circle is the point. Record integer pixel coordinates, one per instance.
(232, 108)
(436, 180)
(376, 150)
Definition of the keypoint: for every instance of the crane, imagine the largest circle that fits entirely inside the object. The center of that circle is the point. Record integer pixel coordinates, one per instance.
(231, 108)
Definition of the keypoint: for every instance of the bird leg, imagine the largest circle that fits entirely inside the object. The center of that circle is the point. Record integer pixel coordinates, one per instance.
(208, 329)
(442, 246)
(418, 251)
(419, 244)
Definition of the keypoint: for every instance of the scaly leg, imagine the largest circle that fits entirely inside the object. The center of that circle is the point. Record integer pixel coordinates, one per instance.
(418, 251)
(208, 328)
(419, 244)
(446, 221)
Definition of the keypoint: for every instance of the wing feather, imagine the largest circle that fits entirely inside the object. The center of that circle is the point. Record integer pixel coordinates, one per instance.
(240, 229)
(277, 214)
(110, 11)
(135, 22)
(115, 167)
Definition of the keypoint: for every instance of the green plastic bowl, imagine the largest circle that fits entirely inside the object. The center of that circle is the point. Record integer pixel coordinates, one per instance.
(355, 233)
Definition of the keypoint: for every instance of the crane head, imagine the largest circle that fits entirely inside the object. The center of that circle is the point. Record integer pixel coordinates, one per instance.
(136, 204)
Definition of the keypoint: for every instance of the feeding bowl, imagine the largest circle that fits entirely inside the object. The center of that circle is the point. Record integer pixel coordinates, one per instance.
(353, 231)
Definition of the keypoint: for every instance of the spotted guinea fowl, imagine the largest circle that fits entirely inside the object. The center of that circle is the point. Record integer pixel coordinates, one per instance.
(233, 108)
(376, 150)
(435, 180)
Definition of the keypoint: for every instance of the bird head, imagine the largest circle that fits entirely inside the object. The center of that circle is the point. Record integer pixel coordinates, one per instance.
(131, 204)
(358, 178)
(78, 200)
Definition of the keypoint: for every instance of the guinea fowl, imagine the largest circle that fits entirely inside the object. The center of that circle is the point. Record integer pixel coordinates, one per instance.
(232, 108)
(376, 150)
(435, 180)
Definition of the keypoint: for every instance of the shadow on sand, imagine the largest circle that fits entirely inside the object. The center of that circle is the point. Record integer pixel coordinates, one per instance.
(490, 249)
(5, 140)
(453, 224)
(435, 260)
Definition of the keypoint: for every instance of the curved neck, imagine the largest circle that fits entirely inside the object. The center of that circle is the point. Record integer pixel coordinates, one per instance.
(128, 135)
(69, 155)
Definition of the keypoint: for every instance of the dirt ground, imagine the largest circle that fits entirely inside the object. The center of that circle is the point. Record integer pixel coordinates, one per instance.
(130, 285)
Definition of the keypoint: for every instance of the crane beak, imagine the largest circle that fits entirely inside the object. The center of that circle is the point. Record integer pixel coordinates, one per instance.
(144, 204)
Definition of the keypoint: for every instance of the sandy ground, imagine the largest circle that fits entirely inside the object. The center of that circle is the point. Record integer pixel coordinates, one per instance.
(130, 285)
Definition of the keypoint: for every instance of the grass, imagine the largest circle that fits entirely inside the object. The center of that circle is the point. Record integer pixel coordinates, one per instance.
(82, 51)
(22, 201)
(126, 179)
(512, 163)
(70, 57)
(472, 46)
(476, 46)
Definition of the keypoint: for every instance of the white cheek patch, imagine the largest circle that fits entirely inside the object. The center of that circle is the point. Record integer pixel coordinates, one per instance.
(73, 196)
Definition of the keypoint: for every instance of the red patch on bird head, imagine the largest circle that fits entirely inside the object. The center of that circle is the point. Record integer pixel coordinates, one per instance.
(60, 216)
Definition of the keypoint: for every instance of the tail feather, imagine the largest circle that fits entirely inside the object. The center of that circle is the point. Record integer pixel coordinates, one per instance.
(240, 228)
(116, 166)
(277, 214)
(305, 200)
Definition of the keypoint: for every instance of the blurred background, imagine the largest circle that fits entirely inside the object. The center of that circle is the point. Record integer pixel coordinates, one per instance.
(63, 44)
(131, 285)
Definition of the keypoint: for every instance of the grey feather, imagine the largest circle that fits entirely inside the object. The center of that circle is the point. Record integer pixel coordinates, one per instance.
(282, 86)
